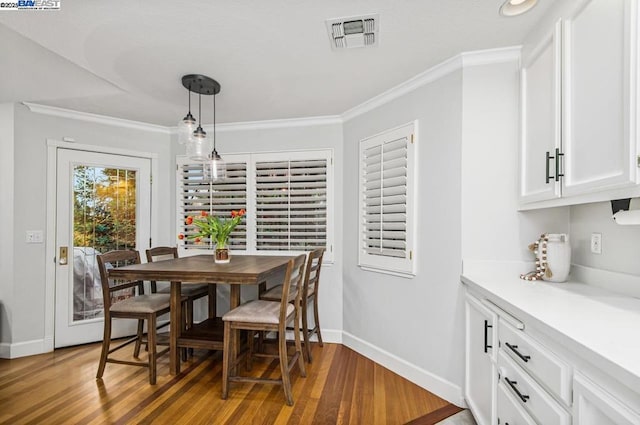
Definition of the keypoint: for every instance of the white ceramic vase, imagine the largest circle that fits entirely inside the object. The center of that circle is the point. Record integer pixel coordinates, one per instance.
(558, 257)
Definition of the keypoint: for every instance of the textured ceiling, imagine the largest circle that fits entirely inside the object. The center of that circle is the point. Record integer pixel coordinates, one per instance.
(272, 58)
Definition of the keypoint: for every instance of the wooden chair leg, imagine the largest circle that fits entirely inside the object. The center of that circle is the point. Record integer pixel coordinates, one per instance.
(316, 319)
(136, 350)
(284, 367)
(226, 360)
(151, 337)
(296, 338)
(305, 332)
(106, 341)
(250, 341)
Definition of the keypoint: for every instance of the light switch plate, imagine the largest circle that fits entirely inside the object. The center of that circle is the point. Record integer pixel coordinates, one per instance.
(34, 236)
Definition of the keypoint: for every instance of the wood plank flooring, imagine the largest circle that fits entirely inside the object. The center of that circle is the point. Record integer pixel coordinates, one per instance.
(341, 387)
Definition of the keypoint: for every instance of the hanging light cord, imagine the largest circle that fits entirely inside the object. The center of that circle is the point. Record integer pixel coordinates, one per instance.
(214, 122)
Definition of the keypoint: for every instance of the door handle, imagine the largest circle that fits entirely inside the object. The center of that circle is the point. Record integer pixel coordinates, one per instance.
(62, 258)
(486, 336)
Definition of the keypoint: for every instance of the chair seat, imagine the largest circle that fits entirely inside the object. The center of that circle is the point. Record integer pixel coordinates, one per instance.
(150, 303)
(187, 289)
(258, 311)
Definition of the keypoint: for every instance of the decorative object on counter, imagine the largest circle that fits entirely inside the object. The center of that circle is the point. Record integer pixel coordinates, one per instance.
(216, 229)
(539, 248)
(553, 258)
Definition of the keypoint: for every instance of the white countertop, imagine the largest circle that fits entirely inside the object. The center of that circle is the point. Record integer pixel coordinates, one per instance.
(599, 323)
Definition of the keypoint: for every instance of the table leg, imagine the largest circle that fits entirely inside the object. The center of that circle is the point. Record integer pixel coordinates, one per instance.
(234, 301)
(213, 298)
(176, 328)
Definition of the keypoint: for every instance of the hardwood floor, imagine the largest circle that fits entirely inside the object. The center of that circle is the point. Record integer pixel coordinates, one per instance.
(342, 387)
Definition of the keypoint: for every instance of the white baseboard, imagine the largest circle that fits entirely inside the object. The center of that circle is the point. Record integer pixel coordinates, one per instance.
(425, 379)
(26, 348)
(5, 350)
(330, 336)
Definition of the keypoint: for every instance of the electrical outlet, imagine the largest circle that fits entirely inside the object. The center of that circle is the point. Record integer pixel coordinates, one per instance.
(596, 243)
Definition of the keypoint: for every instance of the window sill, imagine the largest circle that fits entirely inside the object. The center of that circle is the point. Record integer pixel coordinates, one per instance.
(406, 275)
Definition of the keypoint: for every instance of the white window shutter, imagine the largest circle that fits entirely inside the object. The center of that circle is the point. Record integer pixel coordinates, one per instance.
(387, 190)
(291, 199)
(195, 194)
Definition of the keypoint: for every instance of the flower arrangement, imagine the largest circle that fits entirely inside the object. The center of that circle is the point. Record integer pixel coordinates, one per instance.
(211, 226)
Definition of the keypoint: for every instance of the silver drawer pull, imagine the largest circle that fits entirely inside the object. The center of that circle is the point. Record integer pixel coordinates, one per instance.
(514, 348)
(513, 384)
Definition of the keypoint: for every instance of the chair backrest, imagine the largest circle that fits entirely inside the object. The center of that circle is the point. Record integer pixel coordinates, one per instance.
(160, 253)
(114, 290)
(312, 272)
(292, 279)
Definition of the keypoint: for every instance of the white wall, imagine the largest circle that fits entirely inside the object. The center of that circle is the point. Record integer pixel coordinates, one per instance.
(30, 173)
(6, 224)
(620, 244)
(413, 325)
(492, 228)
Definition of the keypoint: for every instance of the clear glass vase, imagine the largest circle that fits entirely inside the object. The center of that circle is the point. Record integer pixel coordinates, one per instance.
(222, 254)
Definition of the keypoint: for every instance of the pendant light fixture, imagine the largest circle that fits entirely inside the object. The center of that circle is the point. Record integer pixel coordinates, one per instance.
(198, 144)
(187, 125)
(216, 169)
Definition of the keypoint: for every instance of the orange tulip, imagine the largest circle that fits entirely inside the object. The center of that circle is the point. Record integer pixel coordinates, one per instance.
(242, 212)
(197, 240)
(181, 236)
(234, 214)
(189, 220)
(204, 213)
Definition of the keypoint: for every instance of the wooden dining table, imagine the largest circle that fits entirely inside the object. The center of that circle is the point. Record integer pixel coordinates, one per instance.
(208, 334)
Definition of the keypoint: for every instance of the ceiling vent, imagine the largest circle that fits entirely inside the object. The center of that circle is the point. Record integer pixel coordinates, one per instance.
(347, 33)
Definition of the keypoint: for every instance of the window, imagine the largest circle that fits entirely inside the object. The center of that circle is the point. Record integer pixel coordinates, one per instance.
(195, 194)
(287, 196)
(387, 186)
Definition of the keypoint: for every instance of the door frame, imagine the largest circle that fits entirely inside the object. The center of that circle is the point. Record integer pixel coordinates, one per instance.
(50, 249)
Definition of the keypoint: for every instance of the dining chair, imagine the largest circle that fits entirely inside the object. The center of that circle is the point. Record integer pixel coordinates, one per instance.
(309, 294)
(189, 292)
(126, 300)
(266, 316)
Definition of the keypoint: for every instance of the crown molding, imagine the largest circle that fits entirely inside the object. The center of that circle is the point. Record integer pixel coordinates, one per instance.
(271, 124)
(453, 64)
(491, 56)
(95, 118)
(432, 74)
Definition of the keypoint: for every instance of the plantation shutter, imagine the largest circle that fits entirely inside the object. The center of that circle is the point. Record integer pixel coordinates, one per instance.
(291, 202)
(196, 194)
(386, 210)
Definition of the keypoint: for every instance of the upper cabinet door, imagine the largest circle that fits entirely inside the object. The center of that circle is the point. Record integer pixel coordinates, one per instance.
(540, 119)
(599, 68)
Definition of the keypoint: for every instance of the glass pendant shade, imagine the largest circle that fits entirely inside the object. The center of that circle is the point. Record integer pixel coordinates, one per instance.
(199, 145)
(215, 168)
(186, 127)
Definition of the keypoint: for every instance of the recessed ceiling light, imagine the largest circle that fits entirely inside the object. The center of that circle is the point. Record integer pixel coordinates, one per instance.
(517, 7)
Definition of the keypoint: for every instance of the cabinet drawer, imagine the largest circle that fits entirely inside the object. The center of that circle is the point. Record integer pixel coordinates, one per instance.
(529, 395)
(509, 410)
(549, 370)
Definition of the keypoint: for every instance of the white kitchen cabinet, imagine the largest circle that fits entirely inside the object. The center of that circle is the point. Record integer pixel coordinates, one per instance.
(480, 360)
(540, 118)
(578, 107)
(592, 405)
(599, 70)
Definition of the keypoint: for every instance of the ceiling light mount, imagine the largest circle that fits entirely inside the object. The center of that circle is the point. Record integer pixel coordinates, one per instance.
(201, 84)
(517, 7)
